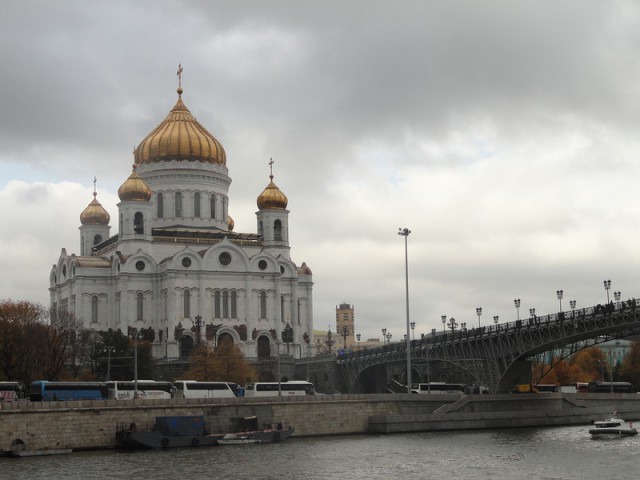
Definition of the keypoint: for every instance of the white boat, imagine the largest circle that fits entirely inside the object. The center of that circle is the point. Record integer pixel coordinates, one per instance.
(612, 426)
(235, 439)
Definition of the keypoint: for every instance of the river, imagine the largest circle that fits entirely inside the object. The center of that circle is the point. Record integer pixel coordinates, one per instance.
(542, 453)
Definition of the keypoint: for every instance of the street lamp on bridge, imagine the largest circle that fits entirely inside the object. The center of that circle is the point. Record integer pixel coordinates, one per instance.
(495, 319)
(616, 296)
(413, 326)
(517, 304)
(607, 286)
(572, 304)
(559, 293)
(478, 313)
(452, 324)
(444, 323)
(532, 313)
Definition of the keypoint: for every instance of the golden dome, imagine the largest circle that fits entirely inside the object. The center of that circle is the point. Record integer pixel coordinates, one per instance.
(94, 214)
(180, 137)
(230, 223)
(272, 197)
(134, 189)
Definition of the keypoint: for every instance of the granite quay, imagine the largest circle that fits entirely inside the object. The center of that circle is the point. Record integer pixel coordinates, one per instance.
(82, 425)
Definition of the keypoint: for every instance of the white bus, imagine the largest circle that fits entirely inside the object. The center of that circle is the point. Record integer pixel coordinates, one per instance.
(147, 389)
(271, 389)
(439, 388)
(194, 389)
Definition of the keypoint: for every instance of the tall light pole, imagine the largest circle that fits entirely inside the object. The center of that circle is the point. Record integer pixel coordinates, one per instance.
(404, 232)
(444, 323)
(413, 326)
(607, 286)
(384, 336)
(559, 293)
(478, 313)
(358, 336)
(572, 304)
(496, 318)
(532, 313)
(516, 302)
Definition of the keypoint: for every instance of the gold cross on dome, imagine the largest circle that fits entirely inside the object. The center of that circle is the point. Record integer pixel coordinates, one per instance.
(179, 73)
(271, 168)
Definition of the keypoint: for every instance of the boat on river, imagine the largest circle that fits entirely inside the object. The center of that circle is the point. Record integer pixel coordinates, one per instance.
(611, 427)
(191, 431)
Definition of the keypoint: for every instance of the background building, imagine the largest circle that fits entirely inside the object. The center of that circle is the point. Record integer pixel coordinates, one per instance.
(345, 326)
(176, 268)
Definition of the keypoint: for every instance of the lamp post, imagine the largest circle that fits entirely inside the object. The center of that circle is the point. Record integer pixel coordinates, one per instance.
(109, 350)
(495, 319)
(329, 340)
(198, 324)
(516, 302)
(616, 296)
(559, 293)
(479, 313)
(413, 326)
(136, 335)
(444, 323)
(452, 324)
(532, 313)
(344, 333)
(572, 304)
(384, 336)
(607, 286)
(404, 232)
(358, 339)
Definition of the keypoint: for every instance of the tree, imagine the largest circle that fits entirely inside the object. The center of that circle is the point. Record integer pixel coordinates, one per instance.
(226, 363)
(630, 369)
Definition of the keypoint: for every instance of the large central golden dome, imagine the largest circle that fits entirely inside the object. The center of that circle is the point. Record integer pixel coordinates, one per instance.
(180, 137)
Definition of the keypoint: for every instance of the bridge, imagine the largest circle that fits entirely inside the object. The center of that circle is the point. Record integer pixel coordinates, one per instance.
(496, 356)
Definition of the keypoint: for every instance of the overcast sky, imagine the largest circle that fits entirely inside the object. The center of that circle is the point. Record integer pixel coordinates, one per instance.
(504, 134)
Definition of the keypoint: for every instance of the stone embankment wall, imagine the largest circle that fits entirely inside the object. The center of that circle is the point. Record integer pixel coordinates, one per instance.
(92, 424)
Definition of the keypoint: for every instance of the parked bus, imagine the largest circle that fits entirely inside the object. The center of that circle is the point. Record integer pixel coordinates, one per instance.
(610, 387)
(439, 388)
(194, 389)
(11, 391)
(42, 391)
(147, 389)
(270, 389)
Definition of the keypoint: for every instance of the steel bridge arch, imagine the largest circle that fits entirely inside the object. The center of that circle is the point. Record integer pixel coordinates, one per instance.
(492, 355)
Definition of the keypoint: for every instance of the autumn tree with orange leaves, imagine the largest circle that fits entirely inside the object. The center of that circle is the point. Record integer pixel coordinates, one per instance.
(226, 363)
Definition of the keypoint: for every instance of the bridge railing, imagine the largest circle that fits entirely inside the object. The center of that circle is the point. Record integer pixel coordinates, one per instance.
(436, 338)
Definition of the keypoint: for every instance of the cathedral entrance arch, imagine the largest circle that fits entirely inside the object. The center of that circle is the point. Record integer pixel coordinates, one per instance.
(186, 345)
(264, 347)
(225, 338)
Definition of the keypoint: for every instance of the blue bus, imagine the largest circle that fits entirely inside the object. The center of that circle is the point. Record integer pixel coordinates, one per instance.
(44, 391)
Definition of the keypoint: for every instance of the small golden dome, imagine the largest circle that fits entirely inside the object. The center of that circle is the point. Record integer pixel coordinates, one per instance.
(230, 223)
(304, 269)
(180, 137)
(271, 197)
(134, 189)
(94, 214)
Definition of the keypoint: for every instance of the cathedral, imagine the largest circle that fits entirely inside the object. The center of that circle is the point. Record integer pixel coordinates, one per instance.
(177, 266)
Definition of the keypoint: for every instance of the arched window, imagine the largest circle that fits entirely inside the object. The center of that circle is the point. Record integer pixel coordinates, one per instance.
(260, 227)
(216, 304)
(97, 239)
(225, 304)
(94, 309)
(160, 205)
(234, 304)
(138, 223)
(263, 304)
(187, 304)
(140, 307)
(277, 230)
(178, 204)
(264, 347)
(196, 204)
(213, 206)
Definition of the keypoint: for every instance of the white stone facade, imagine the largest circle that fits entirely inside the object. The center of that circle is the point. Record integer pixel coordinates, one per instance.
(176, 260)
